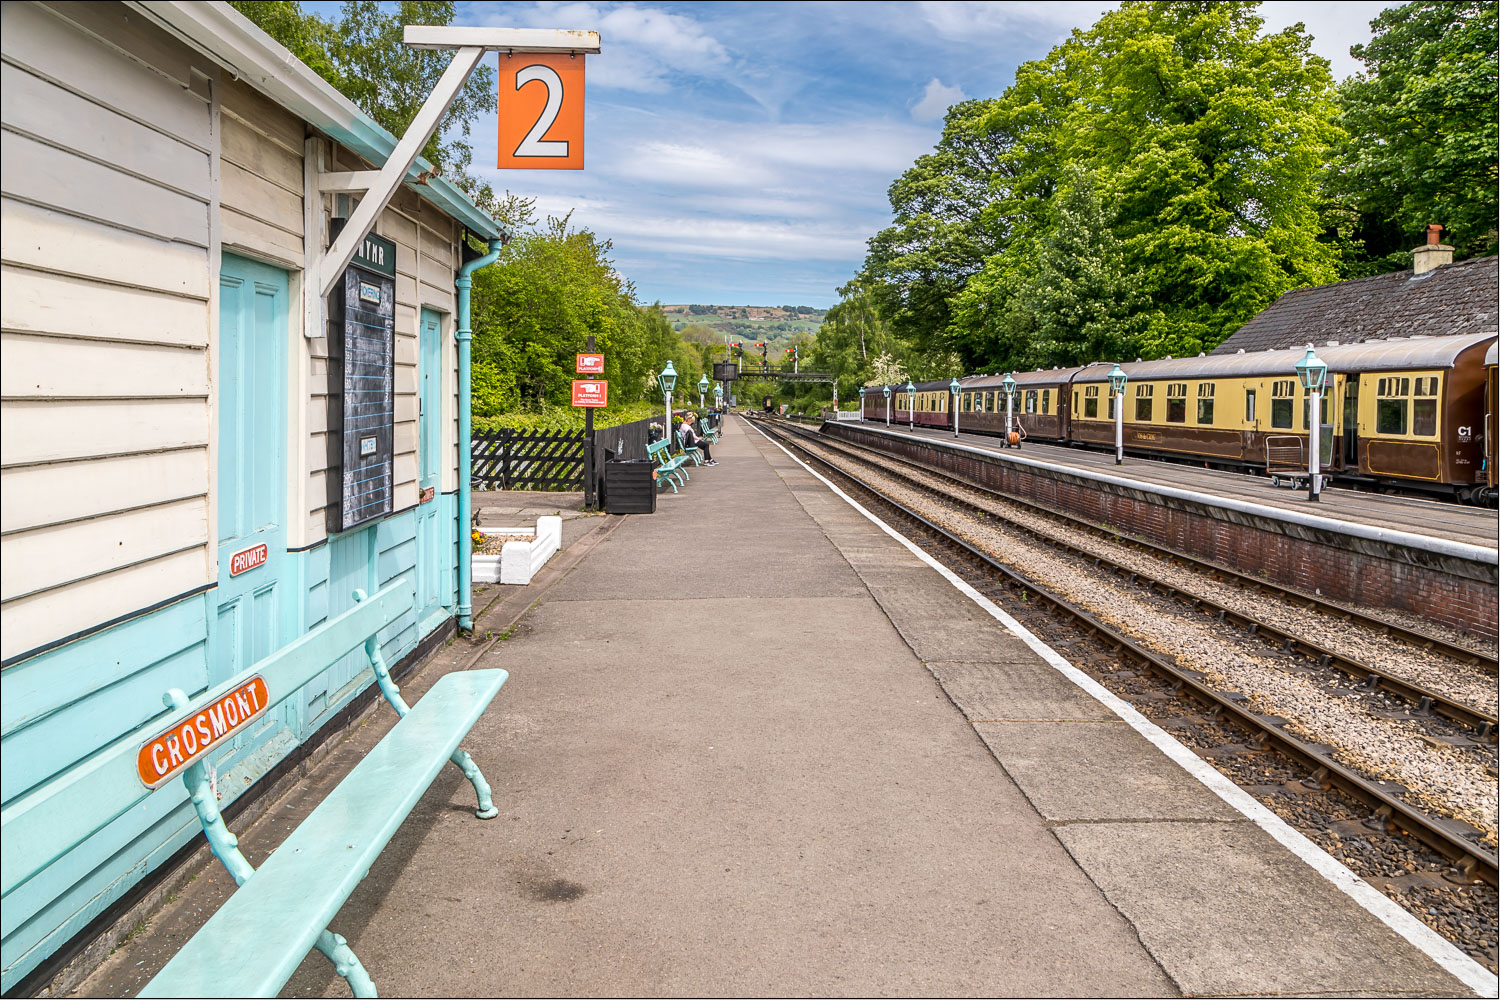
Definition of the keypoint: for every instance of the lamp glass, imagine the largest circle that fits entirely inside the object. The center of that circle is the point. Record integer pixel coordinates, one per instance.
(954, 387)
(668, 378)
(703, 383)
(1117, 380)
(887, 390)
(1312, 371)
(1008, 383)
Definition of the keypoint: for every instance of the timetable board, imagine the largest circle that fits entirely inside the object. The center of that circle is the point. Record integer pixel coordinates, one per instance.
(362, 396)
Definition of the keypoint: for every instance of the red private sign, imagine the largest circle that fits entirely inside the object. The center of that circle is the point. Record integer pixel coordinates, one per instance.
(590, 364)
(248, 559)
(589, 392)
(189, 739)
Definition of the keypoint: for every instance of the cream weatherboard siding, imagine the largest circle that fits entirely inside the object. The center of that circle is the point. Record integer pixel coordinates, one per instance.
(134, 162)
(107, 277)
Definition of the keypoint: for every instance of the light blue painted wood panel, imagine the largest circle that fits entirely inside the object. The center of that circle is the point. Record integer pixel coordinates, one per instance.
(54, 679)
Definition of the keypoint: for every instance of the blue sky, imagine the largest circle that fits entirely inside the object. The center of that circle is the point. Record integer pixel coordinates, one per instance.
(739, 153)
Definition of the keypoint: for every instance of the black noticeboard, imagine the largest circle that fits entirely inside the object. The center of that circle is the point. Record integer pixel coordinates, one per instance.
(726, 371)
(361, 387)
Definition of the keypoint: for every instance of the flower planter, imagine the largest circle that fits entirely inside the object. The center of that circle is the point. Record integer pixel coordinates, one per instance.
(518, 561)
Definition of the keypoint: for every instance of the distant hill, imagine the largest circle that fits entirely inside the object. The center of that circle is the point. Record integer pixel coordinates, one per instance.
(778, 326)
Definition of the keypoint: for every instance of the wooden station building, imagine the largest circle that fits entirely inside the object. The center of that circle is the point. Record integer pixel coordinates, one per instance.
(197, 466)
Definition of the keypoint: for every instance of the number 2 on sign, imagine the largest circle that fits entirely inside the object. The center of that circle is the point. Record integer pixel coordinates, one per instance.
(541, 112)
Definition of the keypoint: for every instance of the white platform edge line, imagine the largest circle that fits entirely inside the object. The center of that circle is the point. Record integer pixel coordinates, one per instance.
(1419, 935)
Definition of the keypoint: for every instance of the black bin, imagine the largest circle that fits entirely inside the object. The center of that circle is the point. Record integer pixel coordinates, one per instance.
(629, 487)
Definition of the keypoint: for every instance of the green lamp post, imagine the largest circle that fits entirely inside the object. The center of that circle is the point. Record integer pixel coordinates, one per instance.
(953, 388)
(668, 381)
(702, 389)
(1117, 380)
(1312, 372)
(911, 405)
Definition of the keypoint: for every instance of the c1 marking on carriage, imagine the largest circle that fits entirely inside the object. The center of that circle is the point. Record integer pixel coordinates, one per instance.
(249, 559)
(162, 758)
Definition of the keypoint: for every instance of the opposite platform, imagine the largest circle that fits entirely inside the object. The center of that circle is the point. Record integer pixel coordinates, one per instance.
(1415, 515)
(752, 745)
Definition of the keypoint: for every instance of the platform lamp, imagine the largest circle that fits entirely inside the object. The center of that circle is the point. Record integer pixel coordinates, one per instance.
(911, 404)
(953, 388)
(719, 400)
(668, 381)
(887, 390)
(1117, 380)
(1312, 372)
(861, 403)
(702, 389)
(1009, 385)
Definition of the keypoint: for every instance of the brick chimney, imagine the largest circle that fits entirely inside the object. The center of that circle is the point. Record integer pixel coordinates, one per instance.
(1434, 254)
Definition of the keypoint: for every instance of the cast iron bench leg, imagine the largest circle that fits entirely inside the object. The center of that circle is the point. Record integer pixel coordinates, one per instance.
(226, 847)
(460, 759)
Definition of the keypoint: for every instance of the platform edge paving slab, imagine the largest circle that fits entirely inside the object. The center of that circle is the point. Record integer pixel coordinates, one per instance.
(1093, 771)
(1277, 926)
(1019, 689)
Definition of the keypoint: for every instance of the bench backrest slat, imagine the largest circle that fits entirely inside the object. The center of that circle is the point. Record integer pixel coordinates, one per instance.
(47, 822)
(658, 450)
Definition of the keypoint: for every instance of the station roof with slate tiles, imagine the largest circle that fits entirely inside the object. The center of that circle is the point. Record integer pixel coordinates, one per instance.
(1453, 299)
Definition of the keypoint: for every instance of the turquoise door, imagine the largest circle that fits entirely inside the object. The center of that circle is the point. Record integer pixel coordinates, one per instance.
(254, 597)
(434, 547)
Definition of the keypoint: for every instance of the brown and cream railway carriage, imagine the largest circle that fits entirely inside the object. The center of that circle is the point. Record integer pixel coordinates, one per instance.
(1491, 422)
(1408, 411)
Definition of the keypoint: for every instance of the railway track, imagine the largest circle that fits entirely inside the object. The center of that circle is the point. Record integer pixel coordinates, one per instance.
(1387, 803)
(1370, 677)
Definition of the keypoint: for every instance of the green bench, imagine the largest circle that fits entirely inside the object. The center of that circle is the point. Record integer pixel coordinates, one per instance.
(669, 469)
(280, 911)
(709, 432)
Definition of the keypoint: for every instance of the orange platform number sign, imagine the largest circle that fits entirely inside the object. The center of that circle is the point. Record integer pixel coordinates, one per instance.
(541, 111)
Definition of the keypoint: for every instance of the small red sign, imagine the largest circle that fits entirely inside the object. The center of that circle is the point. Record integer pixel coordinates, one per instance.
(162, 758)
(250, 558)
(591, 364)
(590, 392)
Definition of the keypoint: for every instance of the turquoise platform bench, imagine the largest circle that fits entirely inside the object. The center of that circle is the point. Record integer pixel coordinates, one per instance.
(709, 432)
(669, 469)
(280, 911)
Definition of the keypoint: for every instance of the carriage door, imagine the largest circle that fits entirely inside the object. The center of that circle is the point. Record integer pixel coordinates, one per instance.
(434, 549)
(253, 605)
(1351, 422)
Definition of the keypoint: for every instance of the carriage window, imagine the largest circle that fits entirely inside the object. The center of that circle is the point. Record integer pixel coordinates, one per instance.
(1176, 402)
(1144, 402)
(1091, 401)
(1205, 402)
(1046, 395)
(1325, 408)
(1075, 400)
(1424, 407)
(1030, 400)
(1249, 406)
(989, 402)
(1281, 403)
(1392, 405)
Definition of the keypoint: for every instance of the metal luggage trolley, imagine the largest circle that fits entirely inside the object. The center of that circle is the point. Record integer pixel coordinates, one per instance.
(1286, 460)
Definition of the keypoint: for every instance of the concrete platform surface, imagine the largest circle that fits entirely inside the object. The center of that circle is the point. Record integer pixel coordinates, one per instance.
(751, 745)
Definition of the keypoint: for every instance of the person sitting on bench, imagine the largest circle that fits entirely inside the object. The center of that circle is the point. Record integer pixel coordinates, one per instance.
(692, 439)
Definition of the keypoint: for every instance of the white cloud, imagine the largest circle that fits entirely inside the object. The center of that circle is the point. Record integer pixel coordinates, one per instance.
(1334, 27)
(936, 100)
(640, 46)
(973, 22)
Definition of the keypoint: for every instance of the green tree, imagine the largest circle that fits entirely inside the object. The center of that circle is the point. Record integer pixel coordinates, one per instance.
(1422, 133)
(1065, 298)
(361, 53)
(940, 235)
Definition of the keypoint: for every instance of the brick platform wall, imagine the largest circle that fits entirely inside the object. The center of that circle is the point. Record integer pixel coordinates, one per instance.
(1340, 567)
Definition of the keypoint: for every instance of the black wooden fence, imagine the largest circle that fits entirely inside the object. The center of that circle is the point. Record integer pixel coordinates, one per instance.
(551, 460)
(527, 460)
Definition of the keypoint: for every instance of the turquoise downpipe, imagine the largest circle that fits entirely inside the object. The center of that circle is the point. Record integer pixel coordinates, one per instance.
(464, 335)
